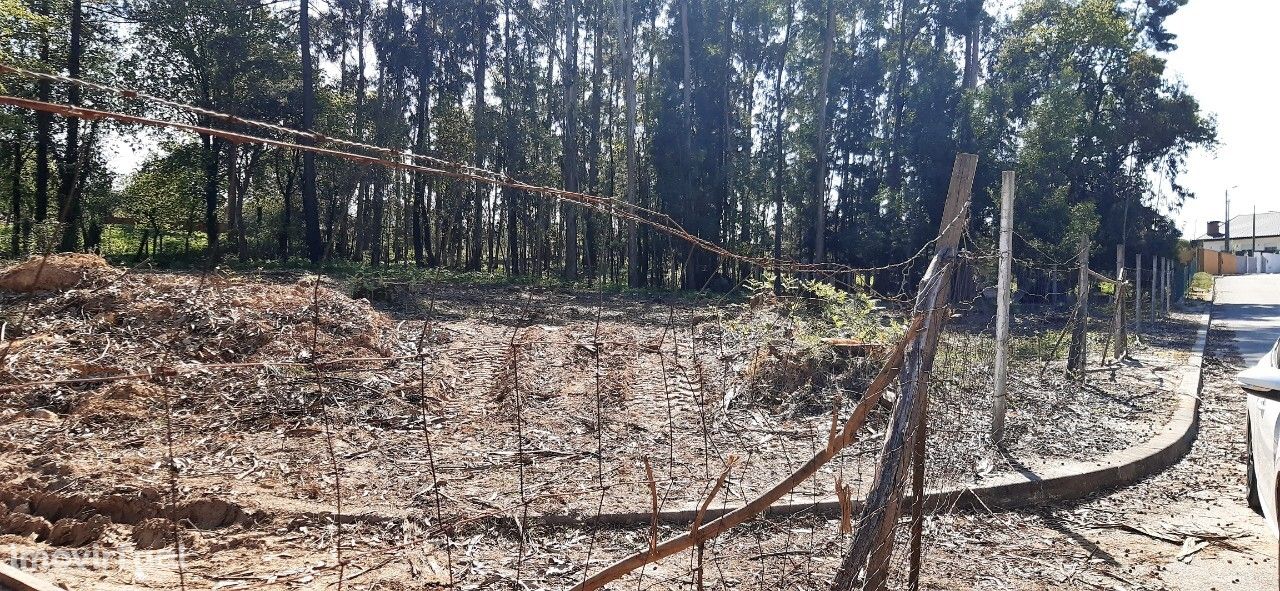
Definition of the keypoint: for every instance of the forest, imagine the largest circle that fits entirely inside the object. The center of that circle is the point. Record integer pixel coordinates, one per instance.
(820, 131)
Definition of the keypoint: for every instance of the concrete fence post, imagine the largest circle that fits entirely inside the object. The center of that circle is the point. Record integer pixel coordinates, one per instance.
(1003, 299)
(1078, 356)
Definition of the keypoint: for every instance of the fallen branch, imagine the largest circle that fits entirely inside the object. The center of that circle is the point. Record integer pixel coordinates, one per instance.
(702, 510)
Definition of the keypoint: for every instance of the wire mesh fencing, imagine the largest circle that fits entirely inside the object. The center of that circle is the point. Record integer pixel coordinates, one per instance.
(266, 430)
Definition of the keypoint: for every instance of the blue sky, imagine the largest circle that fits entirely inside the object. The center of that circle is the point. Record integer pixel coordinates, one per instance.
(1226, 57)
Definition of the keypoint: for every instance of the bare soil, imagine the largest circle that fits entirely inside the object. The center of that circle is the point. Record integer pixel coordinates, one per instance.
(272, 419)
(1187, 528)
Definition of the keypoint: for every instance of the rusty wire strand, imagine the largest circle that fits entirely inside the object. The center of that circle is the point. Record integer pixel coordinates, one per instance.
(659, 221)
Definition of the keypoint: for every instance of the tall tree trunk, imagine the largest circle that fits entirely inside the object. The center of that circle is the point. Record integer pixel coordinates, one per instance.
(474, 259)
(512, 159)
(361, 221)
(779, 161)
(421, 225)
(972, 46)
(212, 150)
(626, 36)
(378, 192)
(15, 238)
(593, 142)
(821, 139)
(44, 130)
(725, 204)
(235, 201)
(692, 280)
(310, 206)
(898, 98)
(375, 222)
(68, 189)
(570, 75)
(245, 178)
(286, 219)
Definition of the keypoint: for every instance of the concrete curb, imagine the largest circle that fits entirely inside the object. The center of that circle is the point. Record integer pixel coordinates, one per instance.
(18, 580)
(1024, 488)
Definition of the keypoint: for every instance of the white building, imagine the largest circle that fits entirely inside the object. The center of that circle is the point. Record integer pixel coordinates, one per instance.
(1248, 232)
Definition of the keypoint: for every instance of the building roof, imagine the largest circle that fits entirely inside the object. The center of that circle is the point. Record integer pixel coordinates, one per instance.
(1242, 226)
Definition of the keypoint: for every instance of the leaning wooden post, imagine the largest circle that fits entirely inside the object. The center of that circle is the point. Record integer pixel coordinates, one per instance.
(873, 541)
(1078, 354)
(915, 350)
(1137, 296)
(1121, 332)
(1004, 289)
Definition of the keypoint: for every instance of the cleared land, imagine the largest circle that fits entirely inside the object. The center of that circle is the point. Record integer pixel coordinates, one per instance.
(274, 396)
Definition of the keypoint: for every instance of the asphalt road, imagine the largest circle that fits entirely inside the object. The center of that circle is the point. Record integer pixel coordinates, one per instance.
(1249, 305)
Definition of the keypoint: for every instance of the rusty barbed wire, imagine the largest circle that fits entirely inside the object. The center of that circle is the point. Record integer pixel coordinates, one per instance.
(611, 206)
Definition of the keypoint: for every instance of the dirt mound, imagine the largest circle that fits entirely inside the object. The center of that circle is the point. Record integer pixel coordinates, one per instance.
(78, 519)
(21, 524)
(73, 532)
(153, 534)
(211, 513)
(123, 401)
(58, 272)
(133, 322)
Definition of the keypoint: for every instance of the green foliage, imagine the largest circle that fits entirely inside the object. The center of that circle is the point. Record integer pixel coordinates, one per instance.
(1097, 120)
(848, 313)
(166, 190)
(15, 18)
(1073, 94)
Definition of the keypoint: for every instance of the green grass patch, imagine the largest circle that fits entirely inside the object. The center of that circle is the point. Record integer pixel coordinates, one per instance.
(1201, 287)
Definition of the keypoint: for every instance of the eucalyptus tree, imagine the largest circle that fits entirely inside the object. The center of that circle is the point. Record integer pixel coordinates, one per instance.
(310, 206)
(1093, 136)
(821, 130)
(212, 53)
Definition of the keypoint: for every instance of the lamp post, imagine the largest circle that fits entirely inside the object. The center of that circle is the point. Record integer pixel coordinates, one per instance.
(1226, 221)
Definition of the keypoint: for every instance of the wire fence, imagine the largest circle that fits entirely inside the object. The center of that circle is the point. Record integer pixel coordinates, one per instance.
(535, 438)
(273, 432)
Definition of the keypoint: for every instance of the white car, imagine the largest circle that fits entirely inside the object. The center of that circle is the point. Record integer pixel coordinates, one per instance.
(1262, 384)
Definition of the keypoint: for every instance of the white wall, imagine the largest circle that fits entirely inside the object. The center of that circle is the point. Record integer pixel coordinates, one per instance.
(1264, 242)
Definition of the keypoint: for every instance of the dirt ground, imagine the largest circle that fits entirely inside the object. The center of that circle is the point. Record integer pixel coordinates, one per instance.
(1187, 528)
(408, 448)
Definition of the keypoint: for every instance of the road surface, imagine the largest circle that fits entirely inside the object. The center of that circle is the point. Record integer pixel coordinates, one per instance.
(1249, 306)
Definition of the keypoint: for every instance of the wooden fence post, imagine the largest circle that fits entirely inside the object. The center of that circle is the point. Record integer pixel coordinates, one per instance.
(1184, 281)
(1168, 289)
(1008, 180)
(1155, 289)
(872, 546)
(1121, 332)
(1078, 355)
(1137, 295)
(911, 360)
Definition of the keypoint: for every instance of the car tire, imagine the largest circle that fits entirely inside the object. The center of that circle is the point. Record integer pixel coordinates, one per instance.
(1254, 501)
